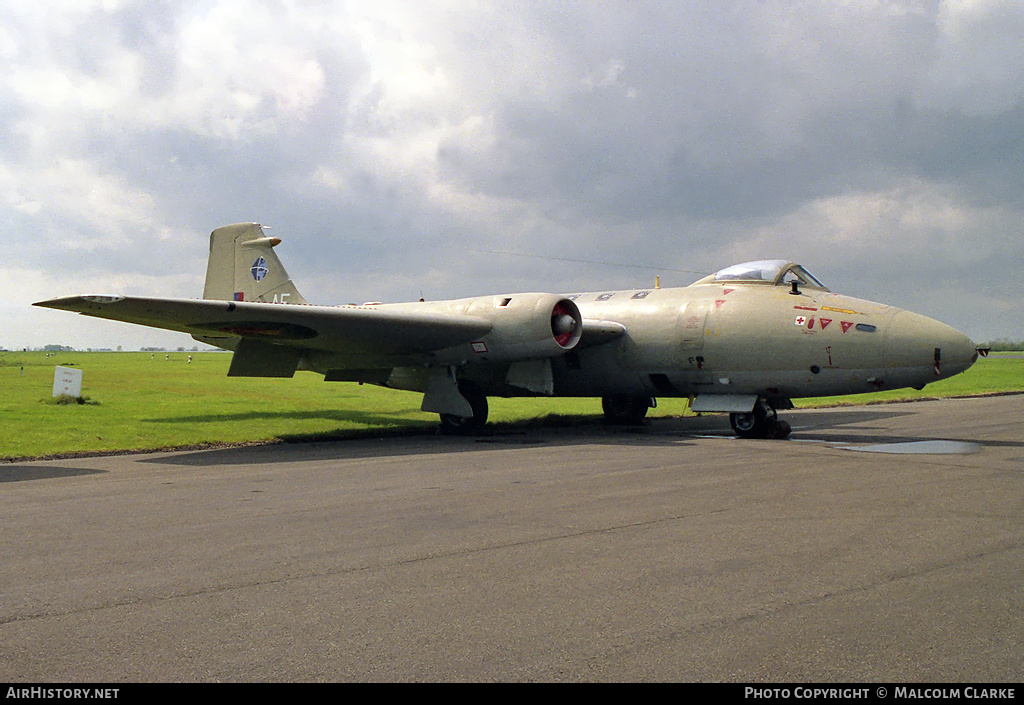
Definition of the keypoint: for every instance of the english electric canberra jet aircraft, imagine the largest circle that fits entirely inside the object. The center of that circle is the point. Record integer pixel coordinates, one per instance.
(745, 340)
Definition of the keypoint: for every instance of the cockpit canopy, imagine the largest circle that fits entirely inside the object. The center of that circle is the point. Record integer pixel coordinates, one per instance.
(779, 272)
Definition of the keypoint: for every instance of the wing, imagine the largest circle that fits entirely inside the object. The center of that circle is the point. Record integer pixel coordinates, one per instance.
(368, 334)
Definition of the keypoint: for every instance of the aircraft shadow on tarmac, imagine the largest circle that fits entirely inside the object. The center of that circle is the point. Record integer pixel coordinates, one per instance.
(385, 444)
(21, 473)
(358, 417)
(810, 424)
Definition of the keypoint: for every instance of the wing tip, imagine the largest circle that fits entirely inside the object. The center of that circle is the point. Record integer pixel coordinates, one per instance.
(67, 302)
(53, 303)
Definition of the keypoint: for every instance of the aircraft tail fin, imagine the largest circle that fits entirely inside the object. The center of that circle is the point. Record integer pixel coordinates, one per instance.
(244, 267)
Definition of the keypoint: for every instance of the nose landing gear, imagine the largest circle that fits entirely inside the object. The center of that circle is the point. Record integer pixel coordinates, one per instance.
(762, 422)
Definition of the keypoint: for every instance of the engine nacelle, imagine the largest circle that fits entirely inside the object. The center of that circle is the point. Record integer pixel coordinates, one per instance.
(526, 326)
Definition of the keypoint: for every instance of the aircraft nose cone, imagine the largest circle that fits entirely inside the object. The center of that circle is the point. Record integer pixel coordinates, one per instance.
(916, 341)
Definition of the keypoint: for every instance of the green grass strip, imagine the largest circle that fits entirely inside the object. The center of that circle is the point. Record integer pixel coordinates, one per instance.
(144, 401)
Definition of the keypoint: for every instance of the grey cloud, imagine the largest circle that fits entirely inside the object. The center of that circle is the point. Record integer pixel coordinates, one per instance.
(681, 134)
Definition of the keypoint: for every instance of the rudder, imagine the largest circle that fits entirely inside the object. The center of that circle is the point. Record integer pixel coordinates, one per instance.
(244, 267)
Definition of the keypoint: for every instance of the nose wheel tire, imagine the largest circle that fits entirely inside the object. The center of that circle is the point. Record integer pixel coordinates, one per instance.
(762, 422)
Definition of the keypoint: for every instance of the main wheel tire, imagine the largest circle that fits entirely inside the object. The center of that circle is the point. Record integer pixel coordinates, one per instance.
(453, 425)
(624, 410)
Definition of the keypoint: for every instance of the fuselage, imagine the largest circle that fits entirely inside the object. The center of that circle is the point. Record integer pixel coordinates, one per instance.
(761, 329)
(768, 329)
(761, 339)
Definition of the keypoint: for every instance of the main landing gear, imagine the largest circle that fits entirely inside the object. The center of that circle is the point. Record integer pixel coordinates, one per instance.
(762, 422)
(623, 410)
(452, 425)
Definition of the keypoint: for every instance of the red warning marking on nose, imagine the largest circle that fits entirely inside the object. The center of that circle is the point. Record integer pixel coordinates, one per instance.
(847, 325)
(824, 322)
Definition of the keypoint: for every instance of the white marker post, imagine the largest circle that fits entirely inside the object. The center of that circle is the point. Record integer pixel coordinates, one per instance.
(67, 381)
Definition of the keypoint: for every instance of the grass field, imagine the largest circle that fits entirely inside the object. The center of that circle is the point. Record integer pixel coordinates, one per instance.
(141, 401)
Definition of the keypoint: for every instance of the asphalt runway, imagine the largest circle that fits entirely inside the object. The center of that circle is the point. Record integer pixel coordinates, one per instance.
(671, 552)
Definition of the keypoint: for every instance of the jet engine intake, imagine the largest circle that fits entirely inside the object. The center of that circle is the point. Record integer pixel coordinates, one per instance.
(565, 326)
(528, 326)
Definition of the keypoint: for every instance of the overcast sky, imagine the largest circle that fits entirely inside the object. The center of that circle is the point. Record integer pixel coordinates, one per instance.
(400, 148)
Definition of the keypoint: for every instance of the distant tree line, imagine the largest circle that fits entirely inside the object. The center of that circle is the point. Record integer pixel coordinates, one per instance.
(68, 348)
(1003, 344)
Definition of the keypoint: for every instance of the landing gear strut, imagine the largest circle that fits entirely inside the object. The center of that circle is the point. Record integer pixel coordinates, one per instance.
(452, 425)
(762, 422)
